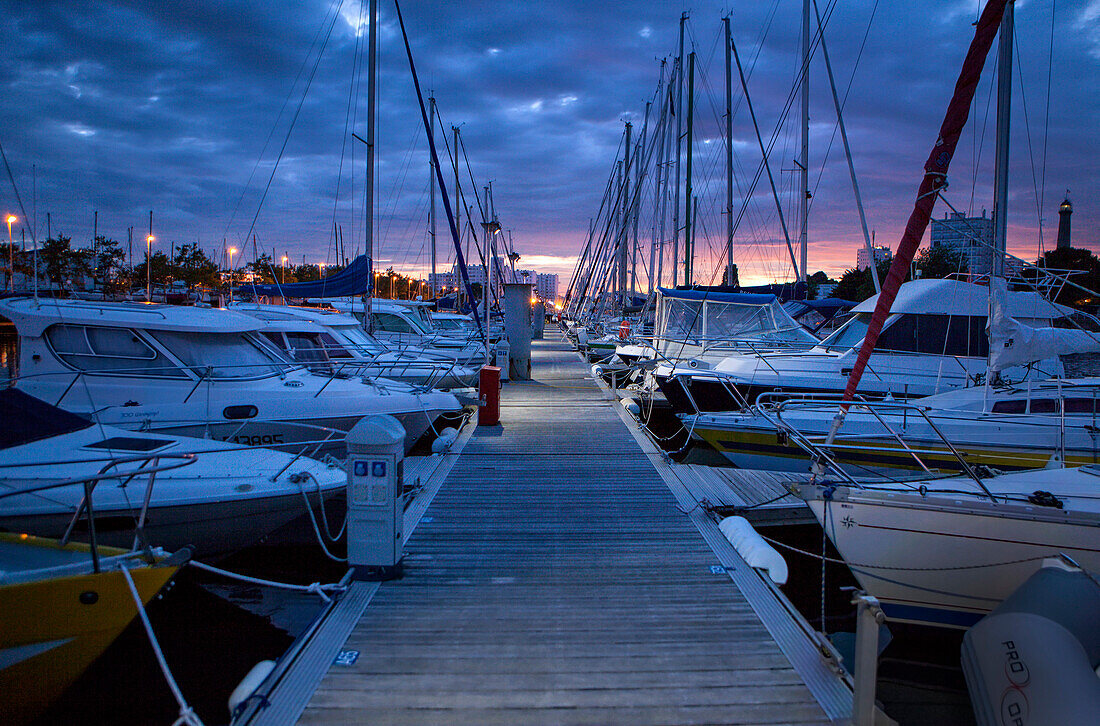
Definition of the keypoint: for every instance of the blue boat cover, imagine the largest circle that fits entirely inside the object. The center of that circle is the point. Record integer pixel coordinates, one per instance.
(745, 298)
(348, 282)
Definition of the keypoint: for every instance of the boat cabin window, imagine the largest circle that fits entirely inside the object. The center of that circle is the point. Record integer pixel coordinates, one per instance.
(1080, 405)
(118, 351)
(306, 347)
(390, 323)
(333, 348)
(850, 334)
(954, 335)
(1044, 405)
(226, 355)
(1010, 406)
(277, 339)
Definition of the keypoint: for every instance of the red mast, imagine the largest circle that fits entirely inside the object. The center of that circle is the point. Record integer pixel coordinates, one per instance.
(935, 178)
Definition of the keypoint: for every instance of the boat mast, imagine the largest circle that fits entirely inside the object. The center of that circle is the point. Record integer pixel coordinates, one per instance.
(458, 210)
(431, 171)
(1004, 114)
(639, 166)
(689, 249)
(679, 141)
(372, 97)
(656, 248)
(729, 155)
(804, 164)
(847, 151)
(624, 229)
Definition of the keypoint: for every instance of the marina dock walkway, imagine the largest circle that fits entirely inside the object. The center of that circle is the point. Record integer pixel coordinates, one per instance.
(555, 578)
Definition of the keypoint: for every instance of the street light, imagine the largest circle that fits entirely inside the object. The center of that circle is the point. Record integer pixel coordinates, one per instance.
(282, 276)
(11, 255)
(232, 251)
(149, 268)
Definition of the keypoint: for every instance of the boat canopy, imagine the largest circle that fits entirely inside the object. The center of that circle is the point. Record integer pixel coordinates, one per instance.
(955, 297)
(707, 318)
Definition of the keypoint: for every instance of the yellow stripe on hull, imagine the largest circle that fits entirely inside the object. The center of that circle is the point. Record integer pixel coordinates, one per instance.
(887, 454)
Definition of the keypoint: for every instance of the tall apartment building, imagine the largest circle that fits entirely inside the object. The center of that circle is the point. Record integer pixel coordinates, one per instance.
(971, 236)
(547, 287)
(863, 256)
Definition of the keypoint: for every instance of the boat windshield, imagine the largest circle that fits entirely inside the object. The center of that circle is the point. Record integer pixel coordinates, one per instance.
(850, 334)
(356, 338)
(226, 355)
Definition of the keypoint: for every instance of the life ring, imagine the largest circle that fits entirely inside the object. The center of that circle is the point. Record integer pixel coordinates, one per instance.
(624, 330)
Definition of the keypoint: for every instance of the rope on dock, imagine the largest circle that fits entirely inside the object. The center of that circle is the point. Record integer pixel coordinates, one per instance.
(315, 587)
(187, 716)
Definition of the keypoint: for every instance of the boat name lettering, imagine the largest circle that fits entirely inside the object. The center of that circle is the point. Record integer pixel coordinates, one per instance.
(1014, 705)
(257, 439)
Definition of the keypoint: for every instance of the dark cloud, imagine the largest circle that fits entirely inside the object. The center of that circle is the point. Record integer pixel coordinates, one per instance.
(182, 108)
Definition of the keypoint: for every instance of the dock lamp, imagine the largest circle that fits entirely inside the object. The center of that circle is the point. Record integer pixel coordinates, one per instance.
(149, 268)
(282, 277)
(11, 255)
(232, 251)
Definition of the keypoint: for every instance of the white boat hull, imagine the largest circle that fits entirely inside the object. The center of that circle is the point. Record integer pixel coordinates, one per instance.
(948, 562)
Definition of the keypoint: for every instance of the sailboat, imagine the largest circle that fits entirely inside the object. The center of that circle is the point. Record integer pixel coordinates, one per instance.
(946, 551)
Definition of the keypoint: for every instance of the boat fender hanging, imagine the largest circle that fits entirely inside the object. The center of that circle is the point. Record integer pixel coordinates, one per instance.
(597, 371)
(444, 441)
(249, 684)
(632, 406)
(753, 549)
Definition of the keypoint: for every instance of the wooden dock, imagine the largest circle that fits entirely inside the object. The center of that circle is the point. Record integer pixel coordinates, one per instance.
(556, 573)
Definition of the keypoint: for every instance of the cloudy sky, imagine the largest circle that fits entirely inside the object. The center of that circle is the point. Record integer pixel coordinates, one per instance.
(183, 108)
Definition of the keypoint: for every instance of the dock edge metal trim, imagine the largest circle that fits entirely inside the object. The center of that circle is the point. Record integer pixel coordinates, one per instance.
(292, 692)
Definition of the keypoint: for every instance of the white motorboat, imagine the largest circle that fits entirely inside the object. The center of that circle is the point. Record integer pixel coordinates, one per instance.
(1003, 428)
(934, 340)
(192, 372)
(333, 343)
(214, 496)
(706, 325)
(401, 325)
(945, 552)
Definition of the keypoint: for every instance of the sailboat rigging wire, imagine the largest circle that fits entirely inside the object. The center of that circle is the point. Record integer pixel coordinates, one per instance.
(294, 119)
(334, 8)
(1027, 128)
(1046, 128)
(439, 177)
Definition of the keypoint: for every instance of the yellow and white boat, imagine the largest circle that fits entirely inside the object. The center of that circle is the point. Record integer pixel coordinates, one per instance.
(62, 606)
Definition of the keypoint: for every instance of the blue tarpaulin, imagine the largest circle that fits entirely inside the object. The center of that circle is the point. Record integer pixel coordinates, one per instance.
(745, 298)
(350, 281)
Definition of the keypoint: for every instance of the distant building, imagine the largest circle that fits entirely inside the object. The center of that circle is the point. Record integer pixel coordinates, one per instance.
(970, 236)
(863, 256)
(1064, 213)
(443, 282)
(547, 287)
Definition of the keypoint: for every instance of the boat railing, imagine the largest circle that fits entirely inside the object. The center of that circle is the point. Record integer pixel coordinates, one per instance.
(147, 466)
(773, 406)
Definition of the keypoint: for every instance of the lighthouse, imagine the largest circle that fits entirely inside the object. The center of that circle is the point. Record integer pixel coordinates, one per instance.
(1065, 210)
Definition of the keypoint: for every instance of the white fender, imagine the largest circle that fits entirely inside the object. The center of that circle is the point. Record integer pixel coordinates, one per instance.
(753, 549)
(250, 683)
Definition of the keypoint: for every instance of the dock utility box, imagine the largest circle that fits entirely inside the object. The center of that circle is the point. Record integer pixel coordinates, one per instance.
(376, 503)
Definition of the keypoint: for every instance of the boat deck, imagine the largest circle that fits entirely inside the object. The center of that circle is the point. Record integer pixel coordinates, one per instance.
(559, 574)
